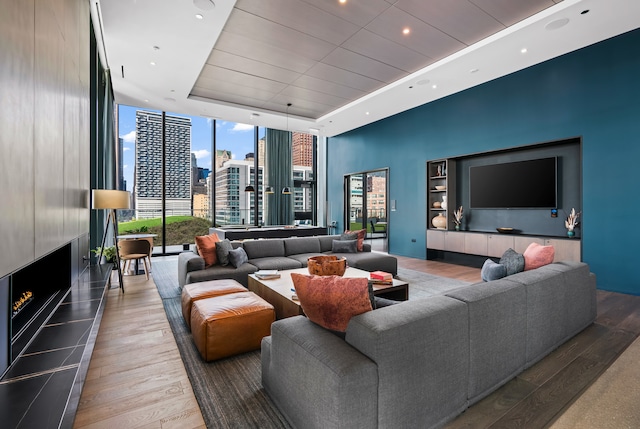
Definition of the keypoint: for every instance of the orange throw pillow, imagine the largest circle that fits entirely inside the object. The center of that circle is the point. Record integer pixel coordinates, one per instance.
(206, 246)
(362, 233)
(331, 301)
(538, 255)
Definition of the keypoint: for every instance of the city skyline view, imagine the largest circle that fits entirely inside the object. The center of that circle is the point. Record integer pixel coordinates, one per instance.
(235, 137)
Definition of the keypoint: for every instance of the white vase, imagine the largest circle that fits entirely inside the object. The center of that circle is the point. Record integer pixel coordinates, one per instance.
(444, 202)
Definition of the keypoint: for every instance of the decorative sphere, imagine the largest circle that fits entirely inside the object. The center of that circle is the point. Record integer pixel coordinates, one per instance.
(328, 265)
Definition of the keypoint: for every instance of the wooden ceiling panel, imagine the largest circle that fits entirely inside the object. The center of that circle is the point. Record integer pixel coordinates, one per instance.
(327, 87)
(423, 38)
(386, 51)
(460, 19)
(296, 92)
(244, 65)
(276, 35)
(345, 77)
(299, 107)
(358, 12)
(303, 17)
(509, 12)
(219, 74)
(228, 97)
(256, 50)
(365, 66)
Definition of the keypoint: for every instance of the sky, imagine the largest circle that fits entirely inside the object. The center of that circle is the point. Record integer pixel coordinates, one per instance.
(238, 138)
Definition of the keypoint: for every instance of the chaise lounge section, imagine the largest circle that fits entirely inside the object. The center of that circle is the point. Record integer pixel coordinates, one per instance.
(419, 364)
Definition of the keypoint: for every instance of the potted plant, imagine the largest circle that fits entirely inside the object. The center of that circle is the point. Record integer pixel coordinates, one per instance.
(457, 218)
(572, 222)
(108, 253)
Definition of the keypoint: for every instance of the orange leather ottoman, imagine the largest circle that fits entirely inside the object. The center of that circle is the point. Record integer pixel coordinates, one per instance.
(230, 324)
(196, 291)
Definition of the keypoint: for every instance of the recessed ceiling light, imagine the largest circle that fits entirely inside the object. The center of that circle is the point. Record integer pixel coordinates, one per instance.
(406, 30)
(156, 48)
(255, 115)
(474, 70)
(204, 4)
(342, 1)
(146, 101)
(366, 113)
(558, 23)
(169, 99)
(153, 63)
(199, 16)
(434, 86)
(523, 50)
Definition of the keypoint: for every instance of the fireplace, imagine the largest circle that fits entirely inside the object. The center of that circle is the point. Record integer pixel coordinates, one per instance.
(34, 292)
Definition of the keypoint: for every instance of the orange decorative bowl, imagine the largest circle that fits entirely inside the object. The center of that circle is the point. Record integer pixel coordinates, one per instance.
(326, 265)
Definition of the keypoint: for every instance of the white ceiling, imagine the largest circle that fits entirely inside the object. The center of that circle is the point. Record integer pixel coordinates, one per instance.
(340, 66)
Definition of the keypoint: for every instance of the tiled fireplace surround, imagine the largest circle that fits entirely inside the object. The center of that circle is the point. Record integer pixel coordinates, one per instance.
(45, 348)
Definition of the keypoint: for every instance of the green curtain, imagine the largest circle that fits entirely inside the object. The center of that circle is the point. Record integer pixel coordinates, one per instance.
(279, 169)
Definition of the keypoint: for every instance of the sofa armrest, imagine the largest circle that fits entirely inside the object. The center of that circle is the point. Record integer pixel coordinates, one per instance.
(187, 262)
(316, 379)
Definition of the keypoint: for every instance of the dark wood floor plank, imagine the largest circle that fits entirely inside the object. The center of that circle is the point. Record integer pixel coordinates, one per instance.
(563, 355)
(621, 306)
(484, 413)
(541, 407)
(609, 347)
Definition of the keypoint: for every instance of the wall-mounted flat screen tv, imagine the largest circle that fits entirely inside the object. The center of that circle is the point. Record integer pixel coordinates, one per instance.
(515, 185)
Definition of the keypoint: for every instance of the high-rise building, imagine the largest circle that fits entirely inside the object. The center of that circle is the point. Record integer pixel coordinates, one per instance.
(302, 149)
(148, 175)
(233, 204)
(222, 156)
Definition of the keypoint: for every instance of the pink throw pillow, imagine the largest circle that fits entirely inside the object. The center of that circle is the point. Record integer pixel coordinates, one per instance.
(331, 301)
(538, 255)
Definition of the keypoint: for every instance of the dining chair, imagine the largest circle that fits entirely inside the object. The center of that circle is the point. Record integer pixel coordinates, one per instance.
(134, 250)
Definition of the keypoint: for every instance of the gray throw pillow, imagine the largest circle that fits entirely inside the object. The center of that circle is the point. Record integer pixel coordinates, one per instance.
(344, 246)
(222, 251)
(349, 236)
(492, 271)
(238, 257)
(513, 261)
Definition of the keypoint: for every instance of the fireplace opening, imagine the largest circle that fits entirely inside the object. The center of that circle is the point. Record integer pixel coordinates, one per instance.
(35, 292)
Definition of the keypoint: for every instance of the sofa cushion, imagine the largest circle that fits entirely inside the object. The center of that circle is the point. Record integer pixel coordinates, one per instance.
(326, 241)
(513, 261)
(237, 257)
(275, 263)
(264, 248)
(331, 301)
(344, 246)
(362, 233)
(206, 247)
(537, 256)
(492, 271)
(223, 248)
(295, 246)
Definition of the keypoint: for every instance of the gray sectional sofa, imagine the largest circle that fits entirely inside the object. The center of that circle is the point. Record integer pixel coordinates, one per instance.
(279, 254)
(420, 363)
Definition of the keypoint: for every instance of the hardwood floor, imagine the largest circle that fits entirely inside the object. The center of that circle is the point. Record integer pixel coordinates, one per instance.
(136, 378)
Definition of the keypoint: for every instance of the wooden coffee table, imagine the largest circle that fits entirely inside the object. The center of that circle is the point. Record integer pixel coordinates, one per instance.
(278, 291)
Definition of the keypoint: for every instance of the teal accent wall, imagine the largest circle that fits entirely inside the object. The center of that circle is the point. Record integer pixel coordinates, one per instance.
(592, 93)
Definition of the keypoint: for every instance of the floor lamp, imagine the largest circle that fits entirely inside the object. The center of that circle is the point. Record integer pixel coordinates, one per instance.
(105, 199)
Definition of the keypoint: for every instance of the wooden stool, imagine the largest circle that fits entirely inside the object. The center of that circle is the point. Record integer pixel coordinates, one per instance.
(230, 324)
(196, 291)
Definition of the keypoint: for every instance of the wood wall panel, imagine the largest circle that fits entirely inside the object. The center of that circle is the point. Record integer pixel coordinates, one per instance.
(45, 128)
(16, 134)
(48, 131)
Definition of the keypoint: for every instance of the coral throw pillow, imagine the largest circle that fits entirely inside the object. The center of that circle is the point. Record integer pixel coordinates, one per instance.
(362, 233)
(206, 246)
(538, 255)
(331, 301)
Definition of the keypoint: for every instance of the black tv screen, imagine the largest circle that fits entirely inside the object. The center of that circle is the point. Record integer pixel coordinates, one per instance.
(519, 185)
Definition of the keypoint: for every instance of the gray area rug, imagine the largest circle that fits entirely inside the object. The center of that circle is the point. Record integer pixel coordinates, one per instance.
(229, 391)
